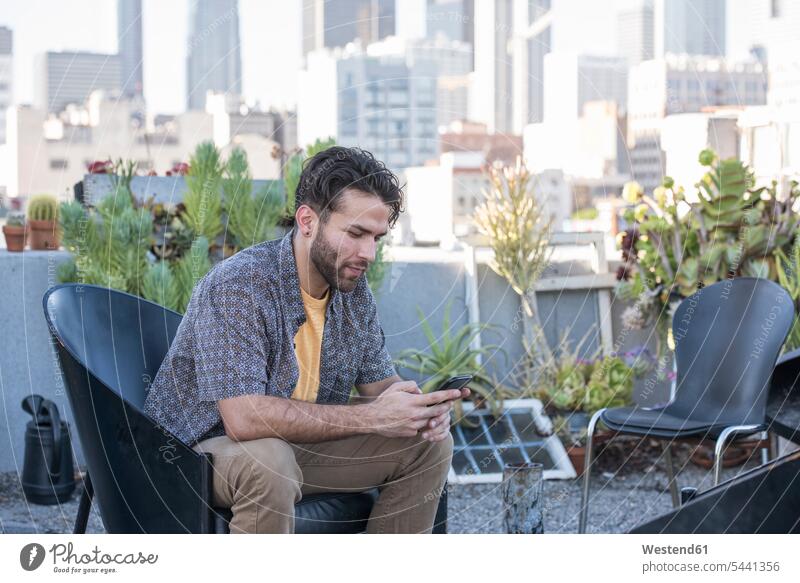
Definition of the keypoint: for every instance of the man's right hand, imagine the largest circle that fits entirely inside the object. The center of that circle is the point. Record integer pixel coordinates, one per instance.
(402, 410)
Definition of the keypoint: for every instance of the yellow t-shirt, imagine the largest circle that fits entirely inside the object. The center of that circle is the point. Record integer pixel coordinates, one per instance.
(307, 346)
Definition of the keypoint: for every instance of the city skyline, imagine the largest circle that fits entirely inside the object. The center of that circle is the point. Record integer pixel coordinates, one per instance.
(272, 81)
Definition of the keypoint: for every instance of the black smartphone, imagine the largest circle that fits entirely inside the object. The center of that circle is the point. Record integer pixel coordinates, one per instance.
(457, 382)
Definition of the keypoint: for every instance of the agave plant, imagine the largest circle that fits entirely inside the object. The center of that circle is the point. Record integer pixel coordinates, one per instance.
(450, 354)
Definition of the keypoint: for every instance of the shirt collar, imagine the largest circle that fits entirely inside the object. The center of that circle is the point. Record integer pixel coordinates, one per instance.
(290, 283)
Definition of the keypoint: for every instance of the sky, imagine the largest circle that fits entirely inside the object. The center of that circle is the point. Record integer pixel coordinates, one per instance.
(270, 33)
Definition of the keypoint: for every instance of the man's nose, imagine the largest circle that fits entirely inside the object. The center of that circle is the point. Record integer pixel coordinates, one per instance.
(368, 250)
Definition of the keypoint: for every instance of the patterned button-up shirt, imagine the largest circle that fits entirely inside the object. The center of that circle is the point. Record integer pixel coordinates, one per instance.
(237, 338)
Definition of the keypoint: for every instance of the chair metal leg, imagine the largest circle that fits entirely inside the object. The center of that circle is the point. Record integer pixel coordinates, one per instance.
(773, 445)
(587, 470)
(719, 446)
(765, 451)
(673, 483)
(84, 506)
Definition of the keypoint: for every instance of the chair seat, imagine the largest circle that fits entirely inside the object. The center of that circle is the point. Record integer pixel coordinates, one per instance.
(657, 423)
(334, 513)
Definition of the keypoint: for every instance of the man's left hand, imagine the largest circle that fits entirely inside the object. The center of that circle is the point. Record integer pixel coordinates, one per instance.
(438, 427)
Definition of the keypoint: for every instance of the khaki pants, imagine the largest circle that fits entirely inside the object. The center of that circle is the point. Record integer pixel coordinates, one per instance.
(261, 480)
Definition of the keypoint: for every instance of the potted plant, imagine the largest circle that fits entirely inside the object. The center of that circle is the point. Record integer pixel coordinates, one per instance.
(15, 232)
(574, 441)
(43, 222)
(450, 354)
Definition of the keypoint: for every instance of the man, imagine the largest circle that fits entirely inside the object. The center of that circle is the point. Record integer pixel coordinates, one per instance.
(274, 338)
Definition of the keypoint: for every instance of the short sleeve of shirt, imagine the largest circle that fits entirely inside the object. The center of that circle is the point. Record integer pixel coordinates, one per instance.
(377, 362)
(230, 341)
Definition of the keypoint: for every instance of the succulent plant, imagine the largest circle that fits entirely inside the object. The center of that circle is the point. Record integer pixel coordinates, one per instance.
(43, 207)
(15, 219)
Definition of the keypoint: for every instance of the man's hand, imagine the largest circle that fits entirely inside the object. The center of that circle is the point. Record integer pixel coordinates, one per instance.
(403, 411)
(438, 427)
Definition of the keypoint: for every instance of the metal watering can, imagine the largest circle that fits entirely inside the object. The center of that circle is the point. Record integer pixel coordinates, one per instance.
(48, 471)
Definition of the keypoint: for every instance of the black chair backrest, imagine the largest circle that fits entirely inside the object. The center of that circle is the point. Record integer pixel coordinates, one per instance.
(110, 346)
(727, 339)
(122, 339)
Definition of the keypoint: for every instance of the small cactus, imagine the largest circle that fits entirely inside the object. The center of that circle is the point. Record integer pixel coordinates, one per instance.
(43, 207)
(15, 219)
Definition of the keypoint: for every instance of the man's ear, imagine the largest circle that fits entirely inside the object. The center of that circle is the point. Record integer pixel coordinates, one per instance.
(306, 219)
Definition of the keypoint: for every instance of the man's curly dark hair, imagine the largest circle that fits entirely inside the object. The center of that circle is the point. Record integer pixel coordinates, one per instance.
(330, 172)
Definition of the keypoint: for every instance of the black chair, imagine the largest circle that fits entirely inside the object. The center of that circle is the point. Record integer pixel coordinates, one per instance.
(727, 339)
(110, 345)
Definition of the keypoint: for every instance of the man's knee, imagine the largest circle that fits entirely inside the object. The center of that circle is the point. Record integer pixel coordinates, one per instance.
(435, 456)
(273, 463)
(268, 468)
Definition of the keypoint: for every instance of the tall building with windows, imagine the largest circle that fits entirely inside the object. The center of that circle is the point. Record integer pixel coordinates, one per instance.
(383, 103)
(635, 32)
(214, 60)
(508, 88)
(69, 77)
(129, 43)
(6, 77)
(682, 84)
(334, 24)
(693, 27)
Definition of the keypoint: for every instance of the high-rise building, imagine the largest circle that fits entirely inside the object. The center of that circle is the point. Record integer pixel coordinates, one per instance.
(681, 84)
(572, 79)
(451, 62)
(532, 42)
(758, 27)
(490, 100)
(693, 27)
(129, 43)
(383, 104)
(70, 77)
(214, 60)
(509, 46)
(334, 24)
(6, 77)
(635, 32)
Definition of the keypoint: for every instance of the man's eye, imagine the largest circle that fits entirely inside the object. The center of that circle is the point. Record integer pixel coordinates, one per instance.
(354, 235)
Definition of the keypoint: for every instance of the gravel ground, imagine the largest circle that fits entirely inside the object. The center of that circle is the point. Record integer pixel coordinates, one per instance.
(627, 489)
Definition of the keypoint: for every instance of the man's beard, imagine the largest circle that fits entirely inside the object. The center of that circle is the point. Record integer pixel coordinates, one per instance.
(324, 256)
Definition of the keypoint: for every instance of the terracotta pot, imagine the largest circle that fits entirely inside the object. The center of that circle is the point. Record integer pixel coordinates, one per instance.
(16, 237)
(44, 235)
(576, 454)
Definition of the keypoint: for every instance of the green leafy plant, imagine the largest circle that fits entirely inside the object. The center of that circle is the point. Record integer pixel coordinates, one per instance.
(449, 354)
(788, 269)
(573, 379)
(732, 229)
(203, 198)
(43, 207)
(109, 244)
(294, 167)
(251, 219)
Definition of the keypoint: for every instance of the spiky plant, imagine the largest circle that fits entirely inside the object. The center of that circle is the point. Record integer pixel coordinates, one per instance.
(203, 198)
(518, 230)
(43, 207)
(251, 219)
(449, 354)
